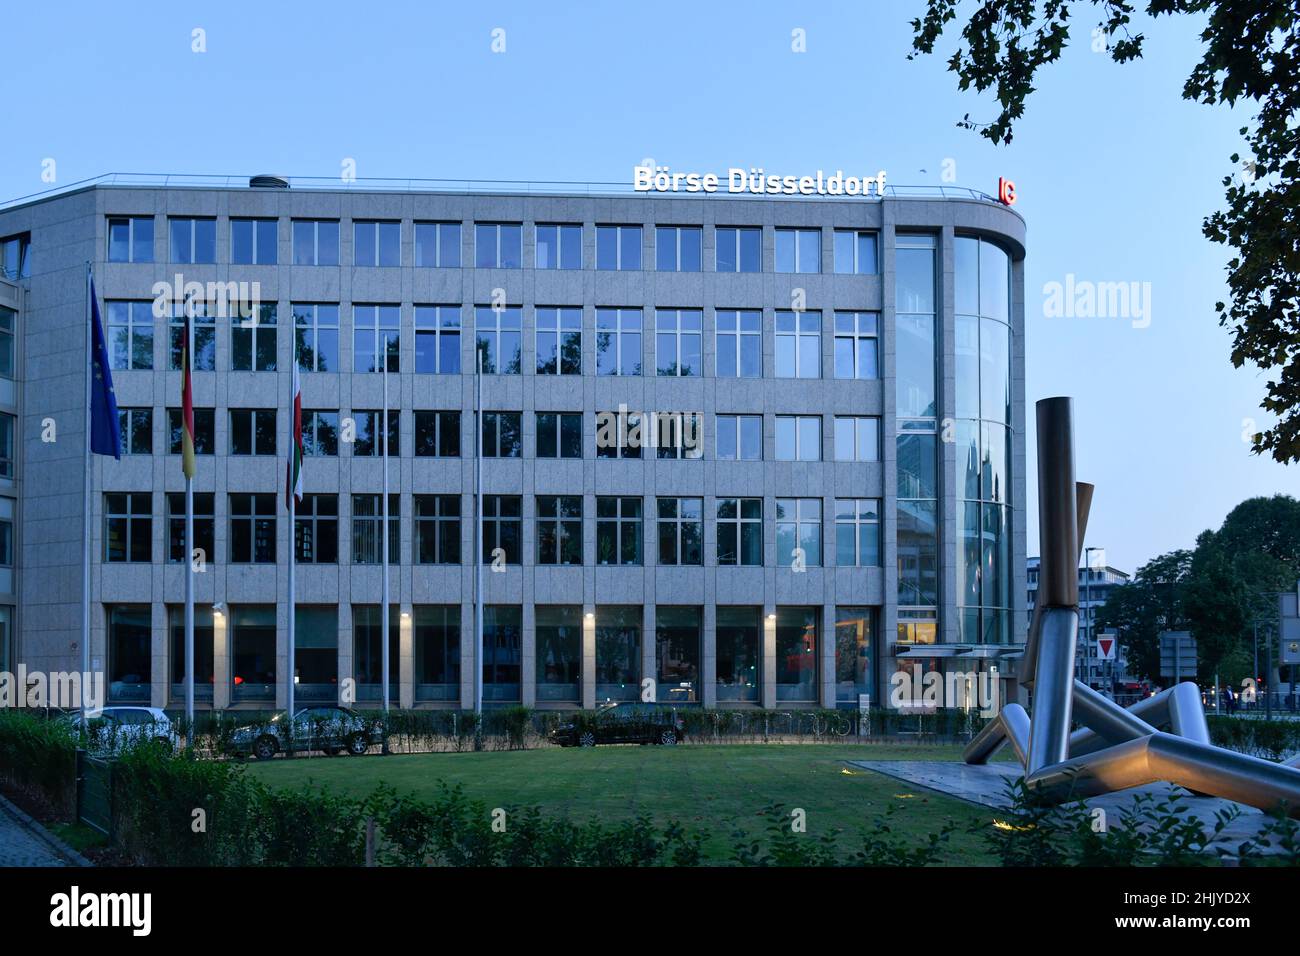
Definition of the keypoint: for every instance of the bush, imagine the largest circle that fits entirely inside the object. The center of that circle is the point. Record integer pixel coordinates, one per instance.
(1270, 739)
(39, 755)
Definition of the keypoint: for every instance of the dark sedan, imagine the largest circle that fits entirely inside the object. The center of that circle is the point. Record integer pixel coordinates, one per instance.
(617, 723)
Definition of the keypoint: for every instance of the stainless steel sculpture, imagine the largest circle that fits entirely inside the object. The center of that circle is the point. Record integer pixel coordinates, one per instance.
(1116, 747)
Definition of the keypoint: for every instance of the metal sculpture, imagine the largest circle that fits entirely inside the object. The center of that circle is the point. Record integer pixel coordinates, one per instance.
(1117, 747)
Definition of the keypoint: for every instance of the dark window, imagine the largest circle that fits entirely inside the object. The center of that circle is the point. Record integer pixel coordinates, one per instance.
(252, 431)
(252, 529)
(204, 526)
(204, 431)
(559, 434)
(128, 526)
(437, 434)
(316, 524)
(437, 529)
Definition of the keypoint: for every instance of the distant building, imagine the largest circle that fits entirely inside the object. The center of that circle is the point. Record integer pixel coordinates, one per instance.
(1096, 584)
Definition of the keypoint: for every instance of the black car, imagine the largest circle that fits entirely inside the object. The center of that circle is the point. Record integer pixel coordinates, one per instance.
(615, 723)
(332, 730)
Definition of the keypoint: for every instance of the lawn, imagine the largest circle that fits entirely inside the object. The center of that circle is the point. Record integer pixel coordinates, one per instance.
(711, 789)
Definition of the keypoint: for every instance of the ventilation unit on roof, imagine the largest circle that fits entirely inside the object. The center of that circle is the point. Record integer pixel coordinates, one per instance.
(268, 182)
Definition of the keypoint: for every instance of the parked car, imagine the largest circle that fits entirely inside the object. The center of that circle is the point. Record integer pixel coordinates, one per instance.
(332, 730)
(616, 723)
(111, 729)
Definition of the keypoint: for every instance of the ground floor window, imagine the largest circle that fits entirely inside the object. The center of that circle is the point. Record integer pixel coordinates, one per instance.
(796, 653)
(204, 672)
(559, 653)
(130, 640)
(368, 652)
(252, 651)
(739, 633)
(437, 651)
(677, 653)
(316, 653)
(854, 655)
(503, 630)
(618, 652)
(6, 638)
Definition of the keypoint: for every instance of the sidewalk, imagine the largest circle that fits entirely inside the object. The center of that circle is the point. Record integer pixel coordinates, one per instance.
(24, 842)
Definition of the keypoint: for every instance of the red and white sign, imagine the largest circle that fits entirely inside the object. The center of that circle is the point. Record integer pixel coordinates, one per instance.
(1106, 648)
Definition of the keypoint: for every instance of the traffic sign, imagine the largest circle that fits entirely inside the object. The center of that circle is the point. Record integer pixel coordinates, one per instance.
(1106, 644)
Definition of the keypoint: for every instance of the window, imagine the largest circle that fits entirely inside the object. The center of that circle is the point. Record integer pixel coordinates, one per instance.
(618, 531)
(130, 239)
(796, 653)
(316, 330)
(315, 242)
(559, 341)
(618, 652)
(437, 434)
(857, 438)
(204, 329)
(252, 630)
(6, 445)
(857, 532)
(798, 344)
(15, 263)
(368, 529)
(740, 437)
(854, 637)
(739, 249)
(436, 636)
(740, 343)
(253, 341)
(500, 339)
(203, 651)
(502, 651)
(205, 431)
(437, 339)
(798, 437)
(320, 433)
(368, 440)
(857, 345)
(618, 247)
(559, 434)
(915, 321)
(252, 529)
(368, 650)
(376, 243)
(7, 317)
(130, 652)
(252, 431)
(316, 529)
(559, 247)
(559, 652)
(681, 531)
(918, 554)
(798, 532)
(798, 250)
(316, 657)
(254, 242)
(502, 437)
(618, 341)
(376, 333)
(740, 531)
(498, 245)
(677, 248)
(738, 634)
(437, 245)
(677, 342)
(618, 434)
(130, 335)
(6, 637)
(677, 653)
(136, 428)
(559, 529)
(128, 527)
(503, 527)
(437, 529)
(204, 526)
(678, 435)
(855, 252)
(193, 241)
(917, 457)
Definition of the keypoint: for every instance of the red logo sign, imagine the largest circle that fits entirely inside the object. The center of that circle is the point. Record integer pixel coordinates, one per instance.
(1006, 191)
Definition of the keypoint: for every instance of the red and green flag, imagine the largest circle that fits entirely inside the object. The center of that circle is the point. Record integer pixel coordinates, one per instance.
(293, 476)
(187, 404)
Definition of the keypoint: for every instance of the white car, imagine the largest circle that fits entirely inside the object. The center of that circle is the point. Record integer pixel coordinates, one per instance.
(113, 728)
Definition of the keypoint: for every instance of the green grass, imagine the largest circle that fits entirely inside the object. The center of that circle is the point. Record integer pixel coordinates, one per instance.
(78, 836)
(710, 789)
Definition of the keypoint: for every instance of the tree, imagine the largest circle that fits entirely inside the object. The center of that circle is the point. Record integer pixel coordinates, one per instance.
(1152, 602)
(1251, 52)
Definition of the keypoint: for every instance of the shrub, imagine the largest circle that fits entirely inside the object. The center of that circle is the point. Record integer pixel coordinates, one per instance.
(39, 755)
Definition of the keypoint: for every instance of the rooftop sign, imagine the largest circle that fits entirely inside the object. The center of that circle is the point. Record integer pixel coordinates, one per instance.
(661, 179)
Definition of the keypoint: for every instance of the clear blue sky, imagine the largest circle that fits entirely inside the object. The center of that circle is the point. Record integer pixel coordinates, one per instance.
(1114, 170)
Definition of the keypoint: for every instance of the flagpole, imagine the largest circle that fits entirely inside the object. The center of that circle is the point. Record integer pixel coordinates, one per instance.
(291, 492)
(383, 641)
(189, 539)
(86, 501)
(478, 545)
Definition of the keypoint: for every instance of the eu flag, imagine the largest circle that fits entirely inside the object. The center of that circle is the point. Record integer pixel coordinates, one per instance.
(105, 436)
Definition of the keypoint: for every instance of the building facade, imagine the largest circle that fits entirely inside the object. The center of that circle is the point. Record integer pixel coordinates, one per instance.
(1096, 582)
(735, 452)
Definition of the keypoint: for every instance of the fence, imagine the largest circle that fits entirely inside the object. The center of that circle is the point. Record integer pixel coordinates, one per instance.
(95, 792)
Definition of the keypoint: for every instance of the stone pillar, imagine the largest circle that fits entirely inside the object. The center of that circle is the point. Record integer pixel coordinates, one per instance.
(648, 660)
(220, 661)
(406, 659)
(589, 656)
(709, 656)
(160, 658)
(826, 655)
(769, 657)
(528, 657)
